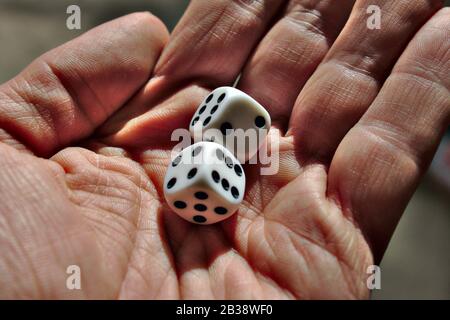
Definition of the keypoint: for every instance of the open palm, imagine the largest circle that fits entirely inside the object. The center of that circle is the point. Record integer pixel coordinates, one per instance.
(85, 141)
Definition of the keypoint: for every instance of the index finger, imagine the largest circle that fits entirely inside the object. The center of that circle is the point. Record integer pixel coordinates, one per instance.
(214, 38)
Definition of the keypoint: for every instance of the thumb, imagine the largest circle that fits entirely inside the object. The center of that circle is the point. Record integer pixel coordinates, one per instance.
(65, 94)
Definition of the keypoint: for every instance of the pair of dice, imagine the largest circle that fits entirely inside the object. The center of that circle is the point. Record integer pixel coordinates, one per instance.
(205, 182)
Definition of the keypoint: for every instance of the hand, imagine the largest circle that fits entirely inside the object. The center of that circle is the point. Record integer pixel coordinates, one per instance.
(85, 140)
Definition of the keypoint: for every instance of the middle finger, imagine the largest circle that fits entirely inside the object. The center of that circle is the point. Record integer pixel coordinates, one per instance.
(291, 51)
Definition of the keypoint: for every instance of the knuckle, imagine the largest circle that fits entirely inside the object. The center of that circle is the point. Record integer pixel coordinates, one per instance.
(150, 24)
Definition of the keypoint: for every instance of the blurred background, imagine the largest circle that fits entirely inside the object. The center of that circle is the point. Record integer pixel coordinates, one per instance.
(417, 262)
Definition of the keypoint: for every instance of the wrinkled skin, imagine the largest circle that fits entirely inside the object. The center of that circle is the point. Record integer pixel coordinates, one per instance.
(85, 140)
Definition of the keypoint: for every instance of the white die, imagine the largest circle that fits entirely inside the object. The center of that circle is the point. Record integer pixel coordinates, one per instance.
(204, 183)
(227, 108)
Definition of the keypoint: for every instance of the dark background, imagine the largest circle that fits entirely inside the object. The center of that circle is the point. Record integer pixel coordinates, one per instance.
(417, 262)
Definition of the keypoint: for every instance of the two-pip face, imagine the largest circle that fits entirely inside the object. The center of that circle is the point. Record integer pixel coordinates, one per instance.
(225, 110)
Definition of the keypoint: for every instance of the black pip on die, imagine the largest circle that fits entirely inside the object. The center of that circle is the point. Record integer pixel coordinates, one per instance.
(204, 183)
(225, 110)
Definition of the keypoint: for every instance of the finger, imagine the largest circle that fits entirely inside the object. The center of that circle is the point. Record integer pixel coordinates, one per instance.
(290, 52)
(378, 164)
(213, 40)
(66, 93)
(347, 81)
(207, 49)
(149, 119)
